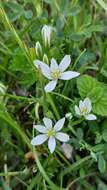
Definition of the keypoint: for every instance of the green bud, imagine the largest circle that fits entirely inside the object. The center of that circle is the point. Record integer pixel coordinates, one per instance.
(38, 49)
(45, 59)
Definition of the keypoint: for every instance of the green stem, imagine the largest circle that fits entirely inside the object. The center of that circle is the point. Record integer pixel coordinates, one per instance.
(75, 165)
(78, 58)
(80, 178)
(62, 96)
(12, 173)
(32, 99)
(76, 122)
(49, 97)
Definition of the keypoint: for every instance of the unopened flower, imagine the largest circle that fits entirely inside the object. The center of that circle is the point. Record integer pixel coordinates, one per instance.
(2, 88)
(69, 115)
(84, 109)
(46, 35)
(50, 133)
(45, 59)
(55, 72)
(38, 49)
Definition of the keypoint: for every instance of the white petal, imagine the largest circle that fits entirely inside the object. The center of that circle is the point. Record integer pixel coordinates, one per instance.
(51, 86)
(54, 65)
(45, 70)
(59, 124)
(40, 128)
(63, 137)
(69, 75)
(81, 104)
(90, 117)
(51, 144)
(77, 110)
(37, 63)
(65, 63)
(87, 103)
(47, 122)
(39, 139)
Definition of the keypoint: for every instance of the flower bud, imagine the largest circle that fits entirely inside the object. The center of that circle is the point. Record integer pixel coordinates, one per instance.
(45, 59)
(46, 35)
(2, 91)
(68, 115)
(2, 88)
(38, 49)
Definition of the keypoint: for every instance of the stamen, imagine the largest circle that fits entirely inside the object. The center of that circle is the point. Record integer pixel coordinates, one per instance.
(51, 133)
(55, 74)
(84, 110)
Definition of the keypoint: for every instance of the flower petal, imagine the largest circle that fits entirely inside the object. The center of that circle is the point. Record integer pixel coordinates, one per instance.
(51, 144)
(63, 137)
(81, 104)
(87, 103)
(45, 69)
(47, 122)
(50, 86)
(65, 63)
(37, 63)
(39, 139)
(54, 65)
(40, 128)
(77, 110)
(59, 124)
(69, 75)
(90, 117)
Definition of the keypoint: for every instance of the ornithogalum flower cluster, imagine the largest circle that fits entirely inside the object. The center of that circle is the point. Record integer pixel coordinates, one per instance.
(55, 72)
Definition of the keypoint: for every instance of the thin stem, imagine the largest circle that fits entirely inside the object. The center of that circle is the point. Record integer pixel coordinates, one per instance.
(76, 164)
(62, 96)
(78, 59)
(49, 97)
(12, 173)
(76, 122)
(32, 99)
(79, 178)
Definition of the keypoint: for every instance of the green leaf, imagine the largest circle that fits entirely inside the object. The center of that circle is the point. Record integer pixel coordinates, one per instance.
(20, 66)
(28, 14)
(96, 91)
(86, 85)
(101, 164)
(103, 4)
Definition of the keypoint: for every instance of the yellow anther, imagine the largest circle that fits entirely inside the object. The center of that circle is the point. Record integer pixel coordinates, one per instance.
(55, 74)
(51, 133)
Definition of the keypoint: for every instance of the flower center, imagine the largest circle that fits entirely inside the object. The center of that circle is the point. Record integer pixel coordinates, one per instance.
(55, 74)
(84, 110)
(51, 133)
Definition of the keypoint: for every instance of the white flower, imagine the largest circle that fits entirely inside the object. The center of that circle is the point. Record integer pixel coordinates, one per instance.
(50, 133)
(46, 34)
(38, 49)
(84, 109)
(55, 71)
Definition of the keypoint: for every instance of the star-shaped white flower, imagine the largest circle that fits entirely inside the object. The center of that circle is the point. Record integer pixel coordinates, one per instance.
(50, 133)
(84, 109)
(55, 71)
